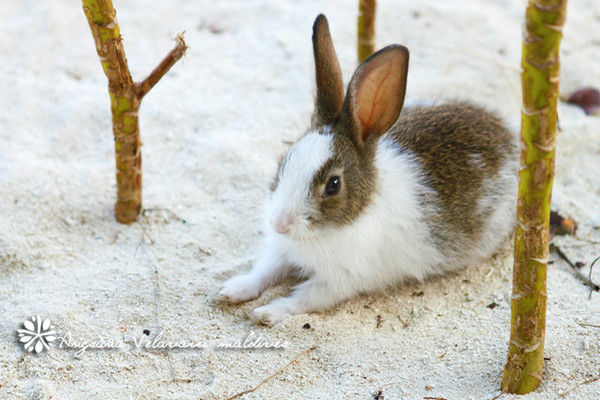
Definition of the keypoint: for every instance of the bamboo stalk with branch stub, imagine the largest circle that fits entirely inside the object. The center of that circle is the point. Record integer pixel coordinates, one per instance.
(125, 98)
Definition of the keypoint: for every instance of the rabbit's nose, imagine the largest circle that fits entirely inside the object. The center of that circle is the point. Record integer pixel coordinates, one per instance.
(283, 223)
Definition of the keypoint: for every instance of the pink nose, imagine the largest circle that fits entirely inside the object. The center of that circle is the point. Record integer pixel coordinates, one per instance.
(283, 223)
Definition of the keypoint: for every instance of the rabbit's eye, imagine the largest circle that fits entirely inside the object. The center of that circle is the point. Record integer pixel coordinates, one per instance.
(333, 186)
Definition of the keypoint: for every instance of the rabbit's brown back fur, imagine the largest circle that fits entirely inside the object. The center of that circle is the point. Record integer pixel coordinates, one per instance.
(460, 146)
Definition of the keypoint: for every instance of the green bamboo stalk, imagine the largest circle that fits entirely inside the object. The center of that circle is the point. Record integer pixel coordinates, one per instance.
(125, 98)
(540, 80)
(366, 29)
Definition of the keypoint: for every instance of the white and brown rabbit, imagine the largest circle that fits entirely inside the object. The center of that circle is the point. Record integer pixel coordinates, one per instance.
(366, 199)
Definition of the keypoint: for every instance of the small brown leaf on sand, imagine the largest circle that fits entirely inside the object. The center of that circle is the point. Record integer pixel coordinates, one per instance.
(560, 225)
(588, 99)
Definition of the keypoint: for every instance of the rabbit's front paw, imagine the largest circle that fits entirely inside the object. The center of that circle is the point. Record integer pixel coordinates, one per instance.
(271, 314)
(239, 289)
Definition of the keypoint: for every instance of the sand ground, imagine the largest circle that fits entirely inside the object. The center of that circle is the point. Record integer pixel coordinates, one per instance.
(212, 131)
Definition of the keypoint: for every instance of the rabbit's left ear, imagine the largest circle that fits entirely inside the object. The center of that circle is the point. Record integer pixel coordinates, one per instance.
(330, 87)
(376, 93)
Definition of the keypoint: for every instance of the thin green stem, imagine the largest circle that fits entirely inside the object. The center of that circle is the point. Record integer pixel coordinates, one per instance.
(366, 29)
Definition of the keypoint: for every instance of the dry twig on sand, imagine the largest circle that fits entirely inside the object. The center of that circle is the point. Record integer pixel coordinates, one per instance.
(585, 279)
(272, 376)
(586, 382)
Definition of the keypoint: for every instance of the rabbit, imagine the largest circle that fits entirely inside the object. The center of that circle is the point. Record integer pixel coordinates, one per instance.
(367, 197)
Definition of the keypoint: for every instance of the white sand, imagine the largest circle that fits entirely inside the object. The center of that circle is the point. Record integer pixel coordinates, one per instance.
(212, 130)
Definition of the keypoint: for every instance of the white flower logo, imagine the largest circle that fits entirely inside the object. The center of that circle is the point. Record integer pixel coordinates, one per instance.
(37, 335)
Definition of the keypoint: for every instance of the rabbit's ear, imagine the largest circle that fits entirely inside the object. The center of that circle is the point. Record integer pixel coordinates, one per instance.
(376, 93)
(330, 86)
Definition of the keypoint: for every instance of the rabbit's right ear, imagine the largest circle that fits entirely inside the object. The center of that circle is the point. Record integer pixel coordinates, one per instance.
(330, 86)
(376, 93)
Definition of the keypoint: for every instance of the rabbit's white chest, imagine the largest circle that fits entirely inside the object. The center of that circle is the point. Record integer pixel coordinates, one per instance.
(388, 242)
